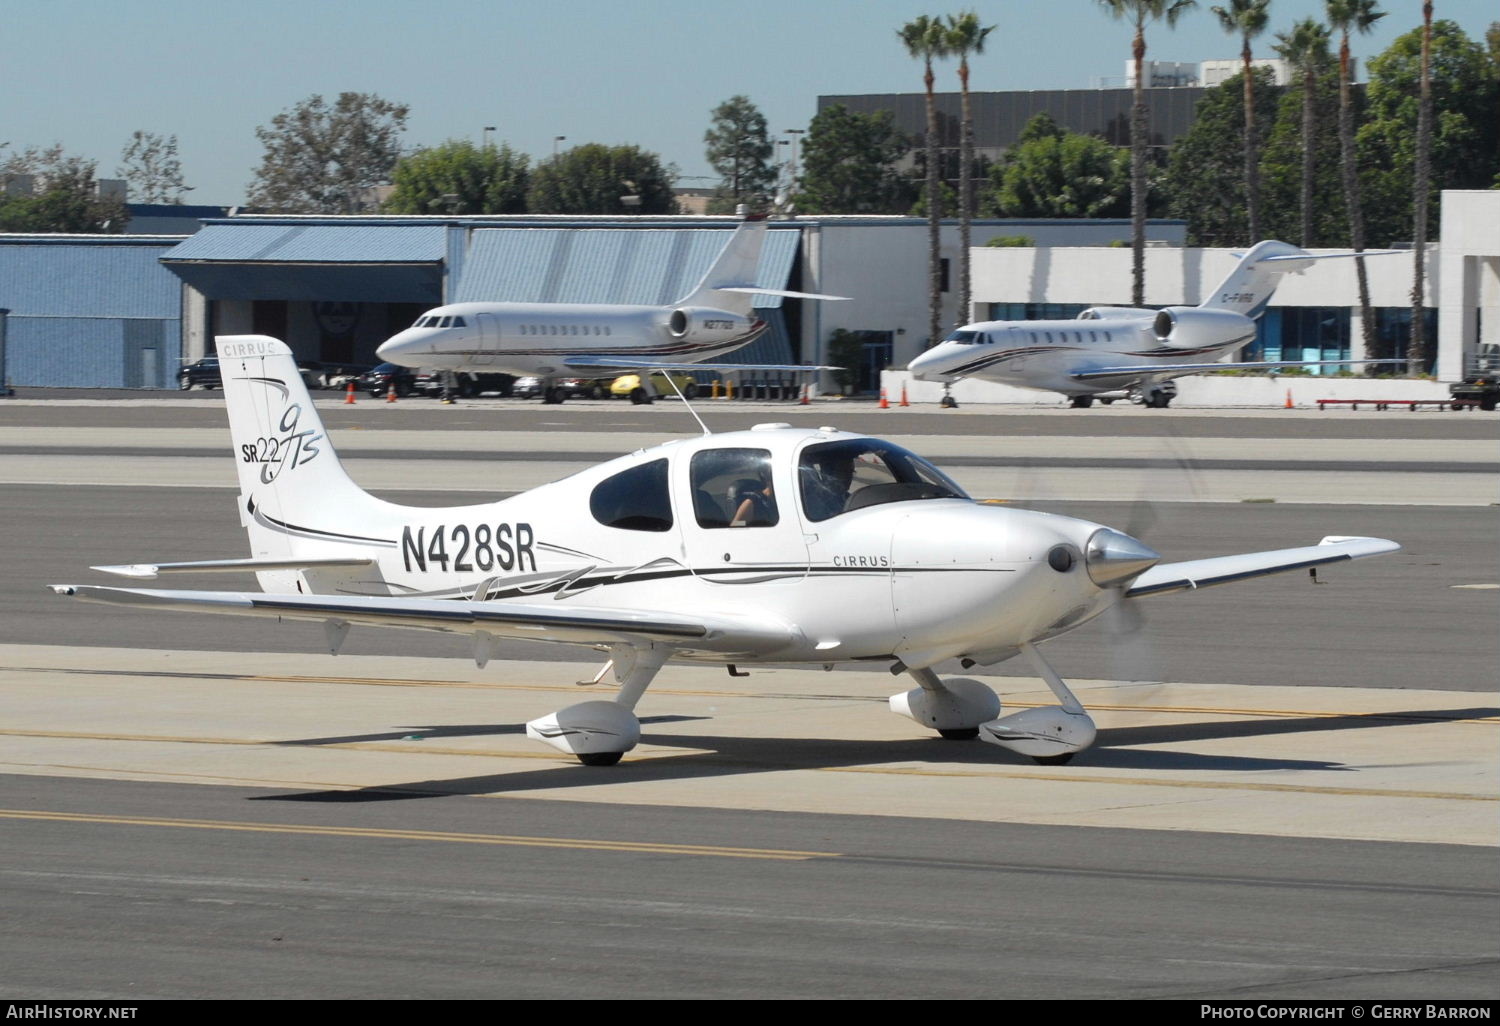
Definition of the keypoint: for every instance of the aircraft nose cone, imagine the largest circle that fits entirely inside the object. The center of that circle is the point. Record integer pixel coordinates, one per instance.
(393, 348)
(1112, 557)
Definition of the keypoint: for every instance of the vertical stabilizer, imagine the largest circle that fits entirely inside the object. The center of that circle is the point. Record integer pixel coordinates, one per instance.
(295, 499)
(735, 268)
(1249, 286)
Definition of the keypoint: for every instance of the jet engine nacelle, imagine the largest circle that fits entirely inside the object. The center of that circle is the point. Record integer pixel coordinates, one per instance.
(704, 324)
(1192, 327)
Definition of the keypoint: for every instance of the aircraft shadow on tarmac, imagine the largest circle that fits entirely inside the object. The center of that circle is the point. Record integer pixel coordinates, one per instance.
(728, 756)
(432, 733)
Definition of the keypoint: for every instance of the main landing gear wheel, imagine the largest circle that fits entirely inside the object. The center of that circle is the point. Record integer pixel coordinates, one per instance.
(640, 396)
(1082, 402)
(600, 758)
(955, 707)
(553, 396)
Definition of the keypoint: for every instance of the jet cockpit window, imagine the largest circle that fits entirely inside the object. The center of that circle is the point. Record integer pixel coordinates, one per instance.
(634, 500)
(458, 322)
(837, 477)
(732, 488)
(964, 338)
(444, 322)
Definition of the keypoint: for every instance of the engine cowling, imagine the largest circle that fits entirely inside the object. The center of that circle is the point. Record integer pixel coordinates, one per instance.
(704, 324)
(1192, 327)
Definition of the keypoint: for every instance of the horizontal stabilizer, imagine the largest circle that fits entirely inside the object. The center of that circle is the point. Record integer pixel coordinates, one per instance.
(779, 292)
(1203, 573)
(628, 363)
(146, 571)
(1329, 256)
(1174, 369)
(549, 622)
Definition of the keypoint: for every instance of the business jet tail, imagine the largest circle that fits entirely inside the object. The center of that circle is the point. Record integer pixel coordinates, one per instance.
(730, 283)
(1249, 286)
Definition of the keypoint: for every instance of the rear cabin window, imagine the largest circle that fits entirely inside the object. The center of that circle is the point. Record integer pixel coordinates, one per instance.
(634, 499)
(732, 488)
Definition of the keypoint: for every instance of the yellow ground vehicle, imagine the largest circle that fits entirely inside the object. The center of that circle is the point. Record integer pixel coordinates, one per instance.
(630, 385)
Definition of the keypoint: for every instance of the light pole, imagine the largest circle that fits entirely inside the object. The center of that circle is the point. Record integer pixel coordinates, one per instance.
(555, 140)
(485, 136)
(796, 134)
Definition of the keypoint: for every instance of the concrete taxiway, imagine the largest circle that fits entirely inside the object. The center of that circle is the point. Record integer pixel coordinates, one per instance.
(1297, 799)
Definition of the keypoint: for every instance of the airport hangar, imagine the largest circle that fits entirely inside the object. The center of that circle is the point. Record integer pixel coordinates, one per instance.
(125, 310)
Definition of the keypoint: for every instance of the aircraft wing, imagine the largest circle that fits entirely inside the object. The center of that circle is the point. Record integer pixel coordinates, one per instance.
(1202, 573)
(1174, 369)
(551, 621)
(628, 364)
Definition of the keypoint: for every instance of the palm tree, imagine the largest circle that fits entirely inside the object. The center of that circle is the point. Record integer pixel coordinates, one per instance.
(965, 36)
(1305, 48)
(1139, 13)
(1421, 179)
(926, 39)
(1248, 18)
(1360, 16)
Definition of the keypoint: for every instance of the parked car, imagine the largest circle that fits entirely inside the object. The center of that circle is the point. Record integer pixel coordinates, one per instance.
(628, 385)
(380, 379)
(204, 372)
(316, 374)
(430, 382)
(572, 388)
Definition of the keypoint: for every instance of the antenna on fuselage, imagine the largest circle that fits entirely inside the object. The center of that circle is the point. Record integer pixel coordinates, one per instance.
(673, 382)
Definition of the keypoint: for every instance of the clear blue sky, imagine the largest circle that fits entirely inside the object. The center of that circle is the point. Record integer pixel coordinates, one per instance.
(87, 73)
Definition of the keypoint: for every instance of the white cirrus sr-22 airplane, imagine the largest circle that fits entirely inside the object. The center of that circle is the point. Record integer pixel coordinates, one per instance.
(1112, 349)
(775, 545)
(555, 340)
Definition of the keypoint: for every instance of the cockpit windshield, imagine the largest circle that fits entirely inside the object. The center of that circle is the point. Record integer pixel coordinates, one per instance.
(965, 338)
(837, 477)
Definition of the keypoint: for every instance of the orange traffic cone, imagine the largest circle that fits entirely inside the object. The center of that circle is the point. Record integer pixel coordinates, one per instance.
(390, 393)
(903, 395)
(349, 395)
(883, 404)
(806, 393)
(1289, 404)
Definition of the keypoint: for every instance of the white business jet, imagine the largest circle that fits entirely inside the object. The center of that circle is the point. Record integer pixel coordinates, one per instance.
(1110, 349)
(554, 340)
(774, 545)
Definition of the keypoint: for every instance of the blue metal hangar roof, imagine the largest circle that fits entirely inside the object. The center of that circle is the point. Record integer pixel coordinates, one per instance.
(653, 266)
(356, 263)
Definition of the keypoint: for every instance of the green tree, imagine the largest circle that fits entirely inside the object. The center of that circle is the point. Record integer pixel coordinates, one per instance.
(1465, 98)
(1052, 172)
(848, 164)
(1345, 16)
(64, 199)
(149, 163)
(460, 178)
(322, 159)
(1305, 49)
(740, 149)
(1139, 14)
(1205, 177)
(926, 39)
(598, 179)
(1247, 18)
(965, 36)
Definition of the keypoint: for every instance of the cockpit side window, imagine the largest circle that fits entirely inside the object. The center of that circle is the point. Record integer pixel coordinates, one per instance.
(732, 488)
(634, 500)
(458, 322)
(837, 477)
